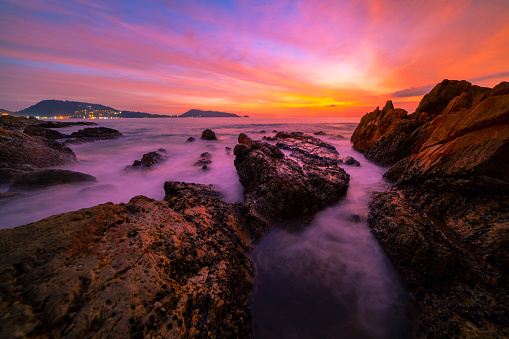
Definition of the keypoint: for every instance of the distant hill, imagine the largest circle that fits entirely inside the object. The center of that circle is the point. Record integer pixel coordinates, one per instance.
(196, 113)
(75, 109)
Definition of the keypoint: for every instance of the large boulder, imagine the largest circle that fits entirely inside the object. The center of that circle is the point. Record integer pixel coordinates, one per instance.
(208, 134)
(277, 187)
(49, 177)
(20, 152)
(91, 134)
(444, 224)
(176, 268)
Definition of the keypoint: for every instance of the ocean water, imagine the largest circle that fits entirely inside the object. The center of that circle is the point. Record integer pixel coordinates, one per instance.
(326, 279)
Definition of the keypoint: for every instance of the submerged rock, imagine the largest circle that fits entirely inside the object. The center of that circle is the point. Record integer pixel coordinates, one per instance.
(49, 177)
(208, 134)
(91, 134)
(190, 139)
(149, 160)
(62, 124)
(445, 223)
(349, 161)
(277, 187)
(175, 268)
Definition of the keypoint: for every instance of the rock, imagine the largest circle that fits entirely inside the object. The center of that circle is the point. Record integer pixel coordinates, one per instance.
(444, 225)
(190, 139)
(262, 131)
(228, 150)
(277, 187)
(11, 122)
(97, 132)
(173, 268)
(202, 162)
(459, 293)
(349, 161)
(43, 132)
(208, 134)
(320, 133)
(149, 160)
(47, 178)
(98, 189)
(206, 155)
(62, 124)
(20, 153)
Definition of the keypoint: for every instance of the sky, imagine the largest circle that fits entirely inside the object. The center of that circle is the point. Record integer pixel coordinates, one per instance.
(323, 58)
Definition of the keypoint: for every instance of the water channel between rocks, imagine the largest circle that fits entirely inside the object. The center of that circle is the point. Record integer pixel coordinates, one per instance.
(330, 278)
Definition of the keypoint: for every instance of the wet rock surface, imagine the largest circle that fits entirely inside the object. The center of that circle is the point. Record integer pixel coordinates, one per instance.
(445, 223)
(37, 131)
(149, 160)
(49, 177)
(91, 134)
(279, 187)
(171, 268)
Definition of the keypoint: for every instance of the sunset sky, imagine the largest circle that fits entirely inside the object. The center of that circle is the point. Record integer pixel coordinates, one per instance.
(283, 58)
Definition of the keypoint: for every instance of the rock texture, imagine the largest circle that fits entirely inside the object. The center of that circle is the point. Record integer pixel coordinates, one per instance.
(20, 153)
(37, 131)
(49, 177)
(278, 187)
(208, 134)
(445, 223)
(175, 268)
(149, 160)
(91, 134)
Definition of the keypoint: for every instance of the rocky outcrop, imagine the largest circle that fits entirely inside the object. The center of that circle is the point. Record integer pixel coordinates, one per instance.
(20, 152)
(47, 178)
(149, 160)
(12, 122)
(91, 134)
(389, 135)
(278, 187)
(175, 268)
(62, 124)
(349, 161)
(208, 134)
(444, 224)
(37, 131)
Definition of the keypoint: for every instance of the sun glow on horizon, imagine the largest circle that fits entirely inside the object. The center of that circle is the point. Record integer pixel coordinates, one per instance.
(281, 58)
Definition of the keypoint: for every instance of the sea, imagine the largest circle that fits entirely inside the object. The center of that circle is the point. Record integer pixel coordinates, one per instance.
(326, 279)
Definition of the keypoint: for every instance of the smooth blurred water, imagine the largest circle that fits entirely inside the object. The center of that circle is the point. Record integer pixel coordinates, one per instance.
(106, 160)
(328, 279)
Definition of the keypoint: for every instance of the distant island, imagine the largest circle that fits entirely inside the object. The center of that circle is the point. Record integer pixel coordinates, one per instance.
(83, 110)
(196, 113)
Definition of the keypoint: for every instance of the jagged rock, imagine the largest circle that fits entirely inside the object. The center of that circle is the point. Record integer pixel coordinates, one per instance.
(208, 134)
(445, 223)
(37, 131)
(175, 268)
(20, 153)
(47, 178)
(277, 187)
(12, 122)
(149, 160)
(460, 294)
(349, 161)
